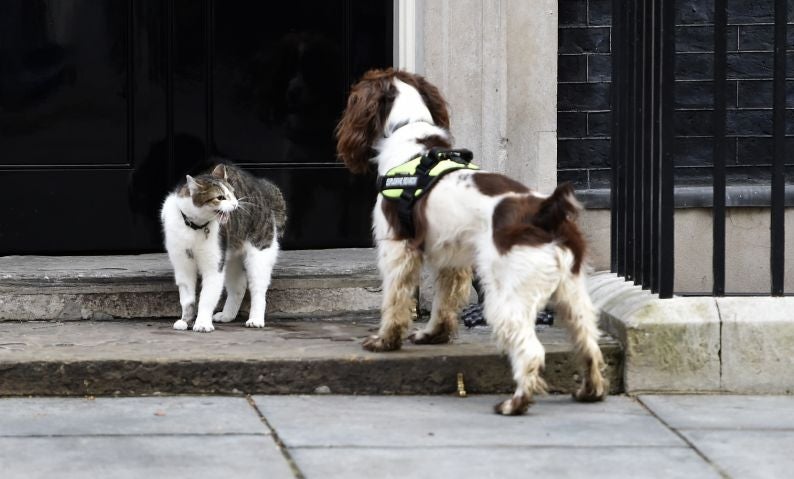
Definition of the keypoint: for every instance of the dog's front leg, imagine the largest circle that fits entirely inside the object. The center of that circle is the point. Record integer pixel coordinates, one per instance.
(453, 288)
(399, 266)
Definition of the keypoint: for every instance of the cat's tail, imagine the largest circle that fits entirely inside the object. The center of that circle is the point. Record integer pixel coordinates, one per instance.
(280, 216)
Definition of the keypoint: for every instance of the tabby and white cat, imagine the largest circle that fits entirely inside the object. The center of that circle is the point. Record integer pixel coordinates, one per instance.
(225, 227)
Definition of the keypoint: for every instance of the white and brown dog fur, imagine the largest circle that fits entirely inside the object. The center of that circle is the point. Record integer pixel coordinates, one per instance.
(525, 246)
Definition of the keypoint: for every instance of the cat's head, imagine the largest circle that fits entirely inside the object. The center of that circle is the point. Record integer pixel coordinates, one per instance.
(212, 194)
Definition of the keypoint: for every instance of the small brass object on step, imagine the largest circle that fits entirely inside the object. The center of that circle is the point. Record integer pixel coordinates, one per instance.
(461, 386)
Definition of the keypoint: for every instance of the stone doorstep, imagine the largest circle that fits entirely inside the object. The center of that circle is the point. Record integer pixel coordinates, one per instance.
(698, 344)
(308, 282)
(140, 357)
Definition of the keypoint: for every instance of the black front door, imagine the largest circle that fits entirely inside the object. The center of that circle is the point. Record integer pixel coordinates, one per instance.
(105, 105)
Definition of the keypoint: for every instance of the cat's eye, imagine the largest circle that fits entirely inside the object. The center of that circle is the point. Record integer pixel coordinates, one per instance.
(220, 198)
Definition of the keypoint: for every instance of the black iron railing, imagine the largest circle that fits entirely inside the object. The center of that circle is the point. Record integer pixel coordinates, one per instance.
(642, 144)
(643, 76)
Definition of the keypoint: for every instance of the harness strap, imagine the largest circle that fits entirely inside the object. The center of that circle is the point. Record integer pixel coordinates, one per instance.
(409, 181)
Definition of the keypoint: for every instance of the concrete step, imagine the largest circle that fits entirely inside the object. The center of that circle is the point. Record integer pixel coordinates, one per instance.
(146, 357)
(314, 283)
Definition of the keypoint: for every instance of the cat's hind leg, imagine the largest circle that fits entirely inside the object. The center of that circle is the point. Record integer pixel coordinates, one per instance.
(235, 290)
(259, 268)
(185, 276)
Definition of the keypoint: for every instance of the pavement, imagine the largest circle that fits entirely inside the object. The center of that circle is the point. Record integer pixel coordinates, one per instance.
(327, 436)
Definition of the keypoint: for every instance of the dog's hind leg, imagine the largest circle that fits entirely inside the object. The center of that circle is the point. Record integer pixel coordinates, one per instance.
(400, 266)
(453, 287)
(513, 322)
(577, 313)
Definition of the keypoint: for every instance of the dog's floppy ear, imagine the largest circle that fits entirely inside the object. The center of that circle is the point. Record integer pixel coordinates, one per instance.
(362, 122)
(430, 95)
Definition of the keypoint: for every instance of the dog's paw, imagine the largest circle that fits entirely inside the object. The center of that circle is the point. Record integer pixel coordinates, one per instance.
(255, 323)
(421, 336)
(221, 318)
(376, 344)
(515, 406)
(590, 393)
(180, 325)
(203, 327)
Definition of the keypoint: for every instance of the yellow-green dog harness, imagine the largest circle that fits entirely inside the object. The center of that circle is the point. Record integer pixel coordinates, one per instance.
(407, 182)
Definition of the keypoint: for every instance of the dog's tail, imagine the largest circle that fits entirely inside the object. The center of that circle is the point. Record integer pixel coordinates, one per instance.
(557, 209)
(557, 215)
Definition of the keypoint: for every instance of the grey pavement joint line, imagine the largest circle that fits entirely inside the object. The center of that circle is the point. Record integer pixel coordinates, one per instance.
(143, 434)
(685, 439)
(610, 447)
(274, 434)
(719, 351)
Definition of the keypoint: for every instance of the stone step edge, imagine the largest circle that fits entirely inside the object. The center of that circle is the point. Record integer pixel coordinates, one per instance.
(316, 302)
(319, 283)
(307, 269)
(388, 374)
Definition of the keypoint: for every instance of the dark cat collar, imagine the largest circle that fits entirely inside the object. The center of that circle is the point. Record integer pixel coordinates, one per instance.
(191, 224)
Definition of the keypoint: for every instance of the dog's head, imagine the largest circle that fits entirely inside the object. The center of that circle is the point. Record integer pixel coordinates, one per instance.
(381, 102)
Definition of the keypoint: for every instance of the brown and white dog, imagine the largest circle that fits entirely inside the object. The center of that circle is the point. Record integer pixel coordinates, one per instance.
(525, 246)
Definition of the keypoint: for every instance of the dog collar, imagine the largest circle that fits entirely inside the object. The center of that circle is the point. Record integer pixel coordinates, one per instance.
(402, 124)
(408, 182)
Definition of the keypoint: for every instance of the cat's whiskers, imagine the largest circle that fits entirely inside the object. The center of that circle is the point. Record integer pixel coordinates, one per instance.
(222, 216)
(243, 210)
(243, 205)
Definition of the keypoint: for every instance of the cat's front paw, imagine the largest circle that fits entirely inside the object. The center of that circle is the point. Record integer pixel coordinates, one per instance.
(255, 323)
(203, 327)
(180, 325)
(221, 318)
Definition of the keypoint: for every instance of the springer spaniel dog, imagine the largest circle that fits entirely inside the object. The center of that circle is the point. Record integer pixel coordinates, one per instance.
(525, 246)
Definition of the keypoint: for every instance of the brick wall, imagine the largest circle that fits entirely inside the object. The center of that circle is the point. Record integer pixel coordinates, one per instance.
(584, 83)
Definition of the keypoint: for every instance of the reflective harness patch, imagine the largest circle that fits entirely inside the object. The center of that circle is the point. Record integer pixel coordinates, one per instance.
(406, 183)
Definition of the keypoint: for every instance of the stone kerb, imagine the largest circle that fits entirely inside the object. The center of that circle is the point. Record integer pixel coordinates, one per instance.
(698, 344)
(757, 344)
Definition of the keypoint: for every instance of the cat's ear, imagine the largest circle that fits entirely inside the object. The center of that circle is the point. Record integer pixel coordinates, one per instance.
(220, 172)
(192, 185)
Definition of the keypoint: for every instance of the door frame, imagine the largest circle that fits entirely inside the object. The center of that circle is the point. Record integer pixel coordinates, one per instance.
(408, 38)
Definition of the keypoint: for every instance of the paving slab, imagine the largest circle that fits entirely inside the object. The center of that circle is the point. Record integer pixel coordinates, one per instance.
(503, 463)
(395, 436)
(744, 436)
(128, 416)
(457, 422)
(723, 411)
(761, 454)
(135, 457)
(285, 357)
